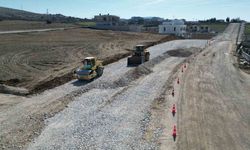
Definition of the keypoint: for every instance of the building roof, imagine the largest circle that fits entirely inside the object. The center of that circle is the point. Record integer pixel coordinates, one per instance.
(89, 57)
(174, 22)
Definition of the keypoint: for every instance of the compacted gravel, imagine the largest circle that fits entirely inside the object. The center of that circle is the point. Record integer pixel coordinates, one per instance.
(115, 111)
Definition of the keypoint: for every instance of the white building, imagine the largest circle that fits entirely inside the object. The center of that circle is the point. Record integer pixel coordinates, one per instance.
(176, 27)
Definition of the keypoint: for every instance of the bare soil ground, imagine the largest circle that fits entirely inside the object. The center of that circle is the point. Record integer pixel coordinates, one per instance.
(31, 59)
(10, 25)
(214, 102)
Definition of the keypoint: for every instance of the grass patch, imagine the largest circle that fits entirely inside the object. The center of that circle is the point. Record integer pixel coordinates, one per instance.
(247, 34)
(218, 27)
(247, 30)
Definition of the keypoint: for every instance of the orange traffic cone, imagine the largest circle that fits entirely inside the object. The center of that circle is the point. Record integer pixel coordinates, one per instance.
(173, 110)
(174, 133)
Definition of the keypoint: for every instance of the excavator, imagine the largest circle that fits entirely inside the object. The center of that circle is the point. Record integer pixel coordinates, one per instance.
(92, 68)
(140, 55)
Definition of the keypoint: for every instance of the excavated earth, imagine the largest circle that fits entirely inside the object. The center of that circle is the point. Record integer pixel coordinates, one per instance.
(41, 60)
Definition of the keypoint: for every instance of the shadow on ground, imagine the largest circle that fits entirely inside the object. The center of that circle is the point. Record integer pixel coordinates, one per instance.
(80, 82)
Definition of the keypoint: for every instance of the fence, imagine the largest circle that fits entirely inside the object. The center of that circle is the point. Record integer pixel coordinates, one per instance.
(246, 54)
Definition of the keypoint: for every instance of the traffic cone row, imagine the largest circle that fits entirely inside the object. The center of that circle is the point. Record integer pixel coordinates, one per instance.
(173, 110)
(174, 134)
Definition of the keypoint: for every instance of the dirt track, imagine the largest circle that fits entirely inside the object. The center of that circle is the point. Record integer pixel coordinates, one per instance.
(30, 31)
(214, 102)
(11, 25)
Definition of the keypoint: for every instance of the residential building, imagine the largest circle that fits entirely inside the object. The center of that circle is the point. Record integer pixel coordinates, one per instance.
(106, 20)
(198, 28)
(176, 27)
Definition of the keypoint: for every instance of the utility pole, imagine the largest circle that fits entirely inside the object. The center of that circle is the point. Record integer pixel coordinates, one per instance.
(47, 17)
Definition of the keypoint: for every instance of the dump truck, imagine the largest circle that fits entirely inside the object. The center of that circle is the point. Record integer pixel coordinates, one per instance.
(92, 68)
(140, 55)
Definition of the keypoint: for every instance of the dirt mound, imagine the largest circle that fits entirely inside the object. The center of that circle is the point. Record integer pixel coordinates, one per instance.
(179, 53)
(11, 82)
(168, 38)
(13, 90)
(132, 75)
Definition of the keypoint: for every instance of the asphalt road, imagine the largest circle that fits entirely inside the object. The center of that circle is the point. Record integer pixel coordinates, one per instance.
(214, 104)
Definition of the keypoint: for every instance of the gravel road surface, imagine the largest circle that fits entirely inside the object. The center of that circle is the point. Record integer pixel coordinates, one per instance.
(113, 111)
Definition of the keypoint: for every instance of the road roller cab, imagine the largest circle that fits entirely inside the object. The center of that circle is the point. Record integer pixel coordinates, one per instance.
(91, 69)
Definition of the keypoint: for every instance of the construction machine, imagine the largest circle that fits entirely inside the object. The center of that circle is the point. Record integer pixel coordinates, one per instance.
(91, 69)
(140, 55)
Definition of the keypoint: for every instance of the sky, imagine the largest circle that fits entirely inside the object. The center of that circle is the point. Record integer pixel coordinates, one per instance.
(168, 9)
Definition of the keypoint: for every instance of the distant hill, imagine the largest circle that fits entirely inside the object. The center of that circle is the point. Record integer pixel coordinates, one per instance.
(14, 14)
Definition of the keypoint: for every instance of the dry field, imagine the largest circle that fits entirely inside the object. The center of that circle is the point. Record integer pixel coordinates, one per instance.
(31, 59)
(10, 25)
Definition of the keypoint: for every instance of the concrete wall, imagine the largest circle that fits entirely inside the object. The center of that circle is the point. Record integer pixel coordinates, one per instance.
(198, 28)
(131, 28)
(114, 28)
